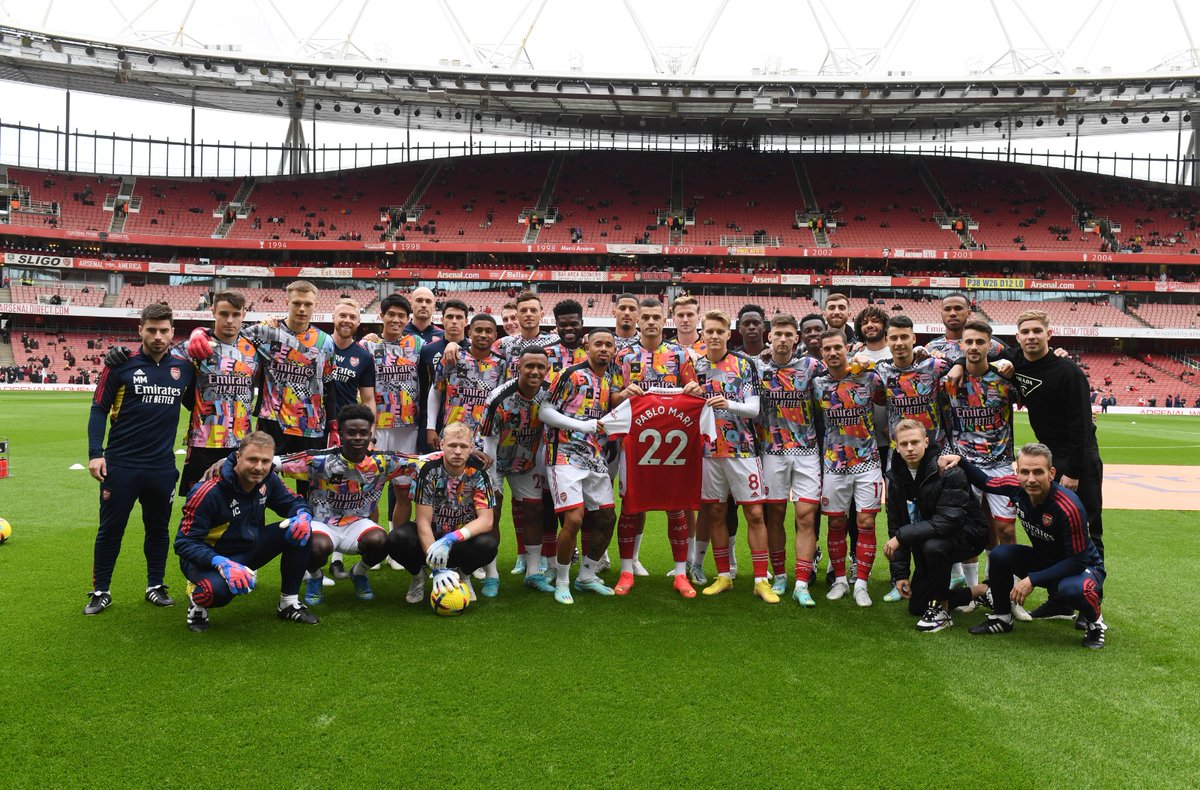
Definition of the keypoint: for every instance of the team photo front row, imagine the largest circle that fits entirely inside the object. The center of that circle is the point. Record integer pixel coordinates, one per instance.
(695, 430)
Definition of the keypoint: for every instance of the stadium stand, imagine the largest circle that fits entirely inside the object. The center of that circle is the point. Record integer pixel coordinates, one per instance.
(480, 199)
(44, 293)
(1168, 315)
(80, 197)
(172, 206)
(612, 198)
(1130, 379)
(193, 297)
(1061, 313)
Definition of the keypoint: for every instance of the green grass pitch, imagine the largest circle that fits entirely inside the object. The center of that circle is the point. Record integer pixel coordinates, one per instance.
(650, 690)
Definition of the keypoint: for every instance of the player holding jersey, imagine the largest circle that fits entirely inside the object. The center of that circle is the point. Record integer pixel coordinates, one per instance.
(397, 356)
(512, 435)
(851, 470)
(651, 362)
(578, 473)
(731, 463)
(462, 383)
(346, 484)
(787, 437)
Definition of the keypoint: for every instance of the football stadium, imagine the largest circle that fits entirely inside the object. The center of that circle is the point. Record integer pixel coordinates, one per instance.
(887, 345)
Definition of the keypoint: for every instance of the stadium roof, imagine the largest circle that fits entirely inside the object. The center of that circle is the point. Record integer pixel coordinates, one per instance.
(520, 102)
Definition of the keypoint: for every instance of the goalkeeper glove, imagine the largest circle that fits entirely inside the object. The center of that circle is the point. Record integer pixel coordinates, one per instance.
(299, 529)
(439, 552)
(116, 356)
(444, 580)
(239, 578)
(199, 346)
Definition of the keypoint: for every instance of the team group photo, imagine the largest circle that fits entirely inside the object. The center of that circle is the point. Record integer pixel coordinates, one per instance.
(636, 424)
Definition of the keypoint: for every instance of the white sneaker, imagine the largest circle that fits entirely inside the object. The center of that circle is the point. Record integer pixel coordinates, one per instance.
(480, 574)
(935, 619)
(326, 581)
(837, 591)
(861, 596)
(1020, 615)
(416, 588)
(394, 565)
(969, 607)
(639, 569)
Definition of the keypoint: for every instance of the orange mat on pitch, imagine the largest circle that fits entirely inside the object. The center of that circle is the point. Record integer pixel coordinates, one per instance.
(1131, 487)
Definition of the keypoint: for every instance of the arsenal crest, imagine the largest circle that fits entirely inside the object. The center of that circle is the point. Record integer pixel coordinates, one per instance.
(262, 489)
(353, 362)
(1047, 519)
(175, 373)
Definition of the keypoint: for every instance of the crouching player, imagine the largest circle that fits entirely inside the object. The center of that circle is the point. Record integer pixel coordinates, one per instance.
(455, 506)
(345, 486)
(223, 537)
(1062, 557)
(936, 518)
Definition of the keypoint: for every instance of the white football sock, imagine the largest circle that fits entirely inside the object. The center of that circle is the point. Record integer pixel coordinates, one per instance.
(533, 560)
(587, 569)
(492, 571)
(637, 547)
(288, 600)
(860, 584)
(335, 557)
(360, 569)
(563, 575)
(626, 566)
(1005, 617)
(317, 574)
(956, 570)
(841, 579)
(680, 568)
(971, 571)
(699, 549)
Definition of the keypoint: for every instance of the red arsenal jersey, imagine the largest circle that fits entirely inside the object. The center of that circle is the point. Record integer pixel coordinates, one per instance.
(663, 432)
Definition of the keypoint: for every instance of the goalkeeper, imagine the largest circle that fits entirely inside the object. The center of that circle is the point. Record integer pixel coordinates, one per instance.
(223, 537)
(455, 504)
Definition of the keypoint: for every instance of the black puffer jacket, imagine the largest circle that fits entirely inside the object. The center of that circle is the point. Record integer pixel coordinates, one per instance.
(954, 512)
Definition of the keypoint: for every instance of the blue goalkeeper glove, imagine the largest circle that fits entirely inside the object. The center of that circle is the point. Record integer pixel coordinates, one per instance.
(299, 529)
(444, 580)
(239, 578)
(439, 553)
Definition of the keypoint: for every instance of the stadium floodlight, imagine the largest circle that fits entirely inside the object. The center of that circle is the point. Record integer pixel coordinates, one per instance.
(151, 59)
(359, 76)
(712, 89)
(1103, 120)
(433, 82)
(479, 116)
(917, 91)
(942, 90)
(396, 111)
(1096, 89)
(1166, 118)
(839, 92)
(410, 79)
(459, 82)
(508, 84)
(887, 91)
(995, 90)
(337, 107)
(279, 102)
(208, 65)
(187, 63)
(287, 71)
(378, 110)
(1062, 121)
(239, 67)
(437, 113)
(558, 86)
(812, 91)
(312, 74)
(998, 124)
(317, 106)
(1039, 122)
(611, 88)
(328, 74)
(357, 109)
(1145, 119)
(635, 89)
(1172, 86)
(417, 113)
(120, 53)
(1187, 117)
(533, 85)
(1120, 88)
(1020, 90)
(1045, 90)
(458, 115)
(386, 77)
(485, 84)
(1079, 121)
(1124, 119)
(263, 70)
(1149, 87)
(978, 123)
(90, 50)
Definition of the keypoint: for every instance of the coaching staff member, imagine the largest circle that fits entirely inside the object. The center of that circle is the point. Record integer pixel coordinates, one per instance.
(140, 400)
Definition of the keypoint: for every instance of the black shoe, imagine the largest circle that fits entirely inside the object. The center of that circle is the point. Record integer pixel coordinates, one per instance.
(1053, 609)
(1094, 638)
(197, 618)
(992, 625)
(337, 570)
(97, 602)
(1081, 623)
(158, 596)
(297, 613)
(985, 599)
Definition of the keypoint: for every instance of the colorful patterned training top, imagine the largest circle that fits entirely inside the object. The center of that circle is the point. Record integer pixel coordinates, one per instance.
(293, 391)
(952, 349)
(669, 365)
(737, 378)
(582, 394)
(848, 409)
(512, 420)
(396, 384)
(224, 394)
(464, 385)
(981, 410)
(785, 423)
(914, 393)
(511, 347)
(562, 358)
(455, 499)
(342, 492)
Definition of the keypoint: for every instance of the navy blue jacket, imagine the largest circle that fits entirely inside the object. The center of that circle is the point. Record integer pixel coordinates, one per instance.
(140, 400)
(1057, 528)
(220, 517)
